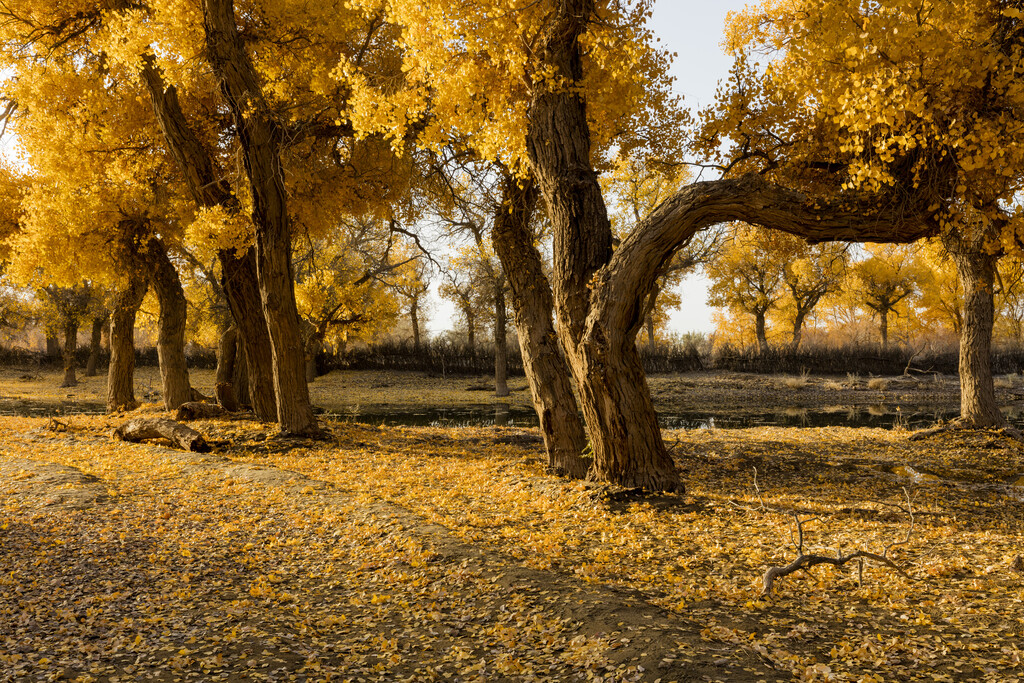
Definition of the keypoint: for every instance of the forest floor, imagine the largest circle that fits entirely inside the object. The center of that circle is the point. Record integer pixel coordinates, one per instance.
(432, 554)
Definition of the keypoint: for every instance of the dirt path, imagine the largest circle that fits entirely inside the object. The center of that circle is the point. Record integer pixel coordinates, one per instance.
(182, 567)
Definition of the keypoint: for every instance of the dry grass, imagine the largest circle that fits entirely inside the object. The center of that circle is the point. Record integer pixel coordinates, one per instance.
(796, 382)
(878, 384)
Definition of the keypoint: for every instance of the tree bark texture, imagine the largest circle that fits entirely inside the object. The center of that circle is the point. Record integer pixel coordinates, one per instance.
(546, 369)
(70, 346)
(170, 344)
(500, 338)
(883, 326)
(759, 331)
(95, 345)
(798, 328)
(239, 280)
(145, 429)
(599, 294)
(121, 372)
(977, 270)
(224, 388)
(261, 140)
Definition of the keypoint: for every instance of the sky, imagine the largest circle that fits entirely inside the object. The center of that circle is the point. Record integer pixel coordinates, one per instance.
(693, 30)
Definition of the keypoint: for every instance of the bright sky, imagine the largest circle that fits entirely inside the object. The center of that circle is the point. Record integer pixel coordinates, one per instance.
(693, 30)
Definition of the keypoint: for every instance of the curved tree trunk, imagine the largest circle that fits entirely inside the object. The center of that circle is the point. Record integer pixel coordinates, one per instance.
(95, 344)
(261, 140)
(121, 372)
(976, 269)
(70, 346)
(500, 339)
(759, 328)
(546, 369)
(170, 344)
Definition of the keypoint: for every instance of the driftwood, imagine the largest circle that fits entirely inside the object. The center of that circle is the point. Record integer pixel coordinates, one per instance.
(805, 562)
(145, 428)
(195, 410)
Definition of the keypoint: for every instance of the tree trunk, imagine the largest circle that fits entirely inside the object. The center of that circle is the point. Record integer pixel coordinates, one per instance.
(261, 140)
(170, 344)
(798, 328)
(70, 346)
(239, 281)
(95, 345)
(545, 367)
(256, 389)
(53, 348)
(121, 371)
(414, 314)
(243, 375)
(500, 339)
(649, 325)
(883, 316)
(759, 329)
(106, 334)
(147, 428)
(224, 388)
(976, 269)
(471, 333)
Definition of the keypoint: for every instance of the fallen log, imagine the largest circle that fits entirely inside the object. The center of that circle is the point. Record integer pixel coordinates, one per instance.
(145, 428)
(195, 410)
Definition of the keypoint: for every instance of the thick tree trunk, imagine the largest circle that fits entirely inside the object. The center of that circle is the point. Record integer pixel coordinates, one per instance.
(121, 371)
(261, 141)
(95, 345)
(883, 326)
(545, 367)
(106, 334)
(257, 362)
(759, 330)
(224, 389)
(170, 344)
(976, 269)
(649, 326)
(239, 281)
(70, 346)
(500, 339)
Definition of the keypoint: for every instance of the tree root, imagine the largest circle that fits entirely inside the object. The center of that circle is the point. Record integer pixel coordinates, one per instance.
(960, 425)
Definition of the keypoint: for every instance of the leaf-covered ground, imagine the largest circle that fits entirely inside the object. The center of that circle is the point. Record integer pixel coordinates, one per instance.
(429, 554)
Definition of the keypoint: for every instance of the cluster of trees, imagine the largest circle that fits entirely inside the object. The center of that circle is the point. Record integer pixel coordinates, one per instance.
(774, 286)
(282, 152)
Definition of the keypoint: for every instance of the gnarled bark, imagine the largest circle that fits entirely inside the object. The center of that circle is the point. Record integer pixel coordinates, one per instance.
(121, 372)
(545, 367)
(976, 269)
(224, 388)
(599, 294)
(145, 429)
(209, 188)
(170, 344)
(261, 140)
